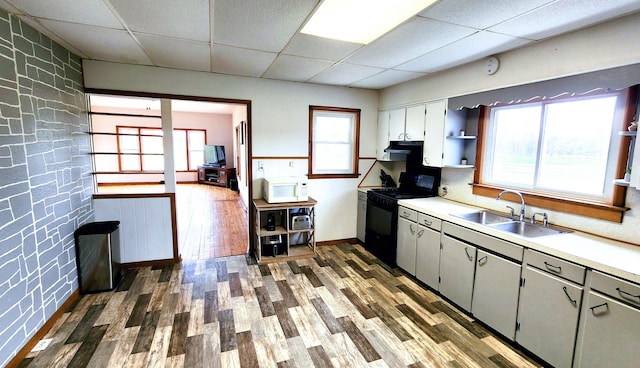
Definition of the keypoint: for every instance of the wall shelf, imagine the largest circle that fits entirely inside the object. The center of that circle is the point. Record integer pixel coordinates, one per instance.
(292, 243)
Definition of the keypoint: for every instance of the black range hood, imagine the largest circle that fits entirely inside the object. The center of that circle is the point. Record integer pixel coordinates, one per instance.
(404, 147)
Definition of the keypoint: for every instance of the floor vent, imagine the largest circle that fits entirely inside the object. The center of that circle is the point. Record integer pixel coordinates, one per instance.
(42, 344)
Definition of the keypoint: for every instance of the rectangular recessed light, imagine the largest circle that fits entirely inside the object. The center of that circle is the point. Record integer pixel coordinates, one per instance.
(361, 21)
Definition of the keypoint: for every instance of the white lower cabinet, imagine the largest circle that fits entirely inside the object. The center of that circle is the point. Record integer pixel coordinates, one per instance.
(407, 234)
(548, 314)
(406, 253)
(611, 324)
(457, 268)
(428, 256)
(495, 293)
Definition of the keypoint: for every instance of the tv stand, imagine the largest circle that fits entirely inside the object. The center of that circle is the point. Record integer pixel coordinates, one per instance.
(216, 175)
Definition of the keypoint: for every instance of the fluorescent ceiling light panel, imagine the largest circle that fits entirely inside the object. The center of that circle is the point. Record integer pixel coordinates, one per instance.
(361, 21)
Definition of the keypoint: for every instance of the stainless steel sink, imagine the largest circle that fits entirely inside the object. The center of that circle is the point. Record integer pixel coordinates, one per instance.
(528, 229)
(484, 217)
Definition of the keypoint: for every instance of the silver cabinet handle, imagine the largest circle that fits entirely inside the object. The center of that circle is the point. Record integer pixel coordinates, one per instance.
(428, 223)
(466, 250)
(400, 135)
(627, 295)
(573, 301)
(552, 268)
(411, 229)
(405, 214)
(596, 307)
(420, 233)
(483, 260)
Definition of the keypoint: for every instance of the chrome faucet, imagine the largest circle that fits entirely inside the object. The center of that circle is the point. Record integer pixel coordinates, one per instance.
(519, 195)
(545, 218)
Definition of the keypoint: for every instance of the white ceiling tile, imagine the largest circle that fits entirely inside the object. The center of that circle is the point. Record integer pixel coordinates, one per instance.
(100, 43)
(188, 19)
(295, 68)
(479, 14)
(236, 61)
(255, 25)
(56, 38)
(93, 12)
(386, 79)
(176, 53)
(564, 16)
(345, 74)
(410, 40)
(466, 50)
(320, 48)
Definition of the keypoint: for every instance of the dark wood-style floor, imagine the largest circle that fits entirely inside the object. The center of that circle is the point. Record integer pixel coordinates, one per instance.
(212, 220)
(343, 308)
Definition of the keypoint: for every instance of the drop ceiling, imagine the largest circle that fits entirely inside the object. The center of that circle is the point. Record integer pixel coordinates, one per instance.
(262, 39)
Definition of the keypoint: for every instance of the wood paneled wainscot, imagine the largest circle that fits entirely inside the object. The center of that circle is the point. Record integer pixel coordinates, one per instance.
(292, 231)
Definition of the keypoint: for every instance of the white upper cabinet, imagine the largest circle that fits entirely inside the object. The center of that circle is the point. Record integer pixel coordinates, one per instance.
(396, 124)
(434, 133)
(414, 127)
(383, 136)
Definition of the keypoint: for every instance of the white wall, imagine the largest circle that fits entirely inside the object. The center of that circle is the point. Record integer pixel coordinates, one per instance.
(280, 113)
(601, 47)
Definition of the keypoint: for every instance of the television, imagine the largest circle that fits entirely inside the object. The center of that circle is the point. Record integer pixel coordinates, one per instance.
(214, 156)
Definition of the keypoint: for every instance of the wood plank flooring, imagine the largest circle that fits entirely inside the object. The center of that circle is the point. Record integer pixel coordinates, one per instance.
(212, 220)
(342, 308)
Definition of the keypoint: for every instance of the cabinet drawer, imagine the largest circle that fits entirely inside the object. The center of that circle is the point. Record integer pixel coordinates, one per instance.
(410, 215)
(556, 266)
(498, 246)
(616, 288)
(429, 221)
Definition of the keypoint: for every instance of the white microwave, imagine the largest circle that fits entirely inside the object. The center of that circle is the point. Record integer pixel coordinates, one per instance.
(287, 189)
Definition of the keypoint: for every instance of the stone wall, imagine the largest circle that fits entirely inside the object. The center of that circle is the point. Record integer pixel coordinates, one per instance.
(45, 179)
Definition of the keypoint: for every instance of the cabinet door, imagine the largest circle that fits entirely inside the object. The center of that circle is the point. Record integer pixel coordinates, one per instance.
(362, 216)
(406, 253)
(396, 124)
(383, 135)
(548, 316)
(434, 133)
(414, 127)
(428, 256)
(495, 293)
(611, 334)
(222, 177)
(457, 267)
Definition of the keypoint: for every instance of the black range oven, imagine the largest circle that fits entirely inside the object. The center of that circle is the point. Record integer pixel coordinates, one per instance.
(382, 210)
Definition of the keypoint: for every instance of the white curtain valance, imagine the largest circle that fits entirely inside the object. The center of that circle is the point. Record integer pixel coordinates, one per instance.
(609, 79)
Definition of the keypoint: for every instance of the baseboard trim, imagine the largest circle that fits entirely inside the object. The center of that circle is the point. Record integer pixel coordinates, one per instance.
(154, 263)
(26, 349)
(339, 241)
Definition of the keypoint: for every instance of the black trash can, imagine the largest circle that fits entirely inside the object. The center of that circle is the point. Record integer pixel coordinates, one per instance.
(233, 185)
(98, 256)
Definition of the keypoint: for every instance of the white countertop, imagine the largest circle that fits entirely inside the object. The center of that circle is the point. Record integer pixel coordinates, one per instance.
(602, 254)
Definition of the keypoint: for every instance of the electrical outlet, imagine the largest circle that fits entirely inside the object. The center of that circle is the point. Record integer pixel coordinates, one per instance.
(290, 163)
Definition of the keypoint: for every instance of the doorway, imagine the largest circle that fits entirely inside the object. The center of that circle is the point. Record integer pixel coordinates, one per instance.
(212, 221)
